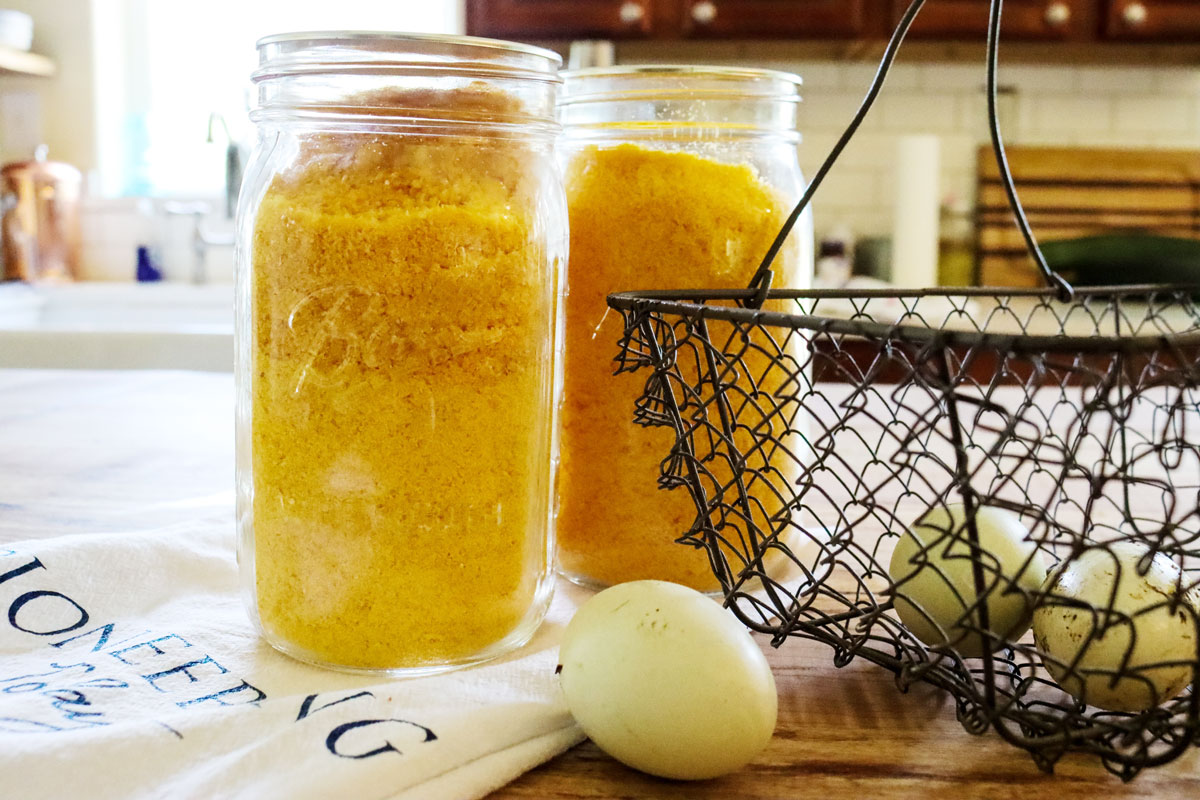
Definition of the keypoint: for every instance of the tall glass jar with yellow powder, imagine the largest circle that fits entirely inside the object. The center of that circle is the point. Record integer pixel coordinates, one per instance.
(402, 235)
(676, 177)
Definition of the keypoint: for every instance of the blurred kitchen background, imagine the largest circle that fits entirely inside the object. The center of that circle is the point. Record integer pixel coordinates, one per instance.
(143, 104)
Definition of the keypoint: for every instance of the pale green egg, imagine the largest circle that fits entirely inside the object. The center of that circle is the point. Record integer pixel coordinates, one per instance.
(665, 680)
(1148, 639)
(933, 572)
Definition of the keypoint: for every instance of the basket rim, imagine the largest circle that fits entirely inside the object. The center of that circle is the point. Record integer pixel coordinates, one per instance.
(692, 303)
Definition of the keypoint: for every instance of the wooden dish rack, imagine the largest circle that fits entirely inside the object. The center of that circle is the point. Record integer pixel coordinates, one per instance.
(1070, 192)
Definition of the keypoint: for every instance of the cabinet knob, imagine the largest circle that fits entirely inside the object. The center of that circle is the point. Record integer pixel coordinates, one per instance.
(1135, 15)
(1057, 14)
(632, 13)
(704, 12)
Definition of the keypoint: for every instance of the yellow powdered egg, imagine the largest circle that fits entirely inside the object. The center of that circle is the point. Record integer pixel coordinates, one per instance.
(641, 219)
(401, 310)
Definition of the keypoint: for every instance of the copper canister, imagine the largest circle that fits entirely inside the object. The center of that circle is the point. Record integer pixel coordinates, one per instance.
(39, 200)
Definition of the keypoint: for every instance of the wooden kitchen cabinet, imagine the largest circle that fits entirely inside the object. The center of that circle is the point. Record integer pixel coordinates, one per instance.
(667, 19)
(567, 19)
(1152, 20)
(801, 19)
(1085, 25)
(1031, 20)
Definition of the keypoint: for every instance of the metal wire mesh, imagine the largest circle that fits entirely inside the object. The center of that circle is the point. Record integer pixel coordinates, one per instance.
(816, 432)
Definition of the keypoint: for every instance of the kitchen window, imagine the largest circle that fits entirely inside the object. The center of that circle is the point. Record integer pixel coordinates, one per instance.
(173, 78)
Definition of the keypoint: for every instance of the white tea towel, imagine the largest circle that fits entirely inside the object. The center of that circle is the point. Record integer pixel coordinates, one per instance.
(129, 669)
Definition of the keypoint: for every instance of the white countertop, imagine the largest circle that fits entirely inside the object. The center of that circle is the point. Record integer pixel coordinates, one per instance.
(117, 326)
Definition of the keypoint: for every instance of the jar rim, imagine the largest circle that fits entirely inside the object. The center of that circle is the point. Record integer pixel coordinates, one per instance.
(783, 86)
(384, 52)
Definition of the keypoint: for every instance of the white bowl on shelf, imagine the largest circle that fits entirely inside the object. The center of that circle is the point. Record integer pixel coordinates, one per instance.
(16, 29)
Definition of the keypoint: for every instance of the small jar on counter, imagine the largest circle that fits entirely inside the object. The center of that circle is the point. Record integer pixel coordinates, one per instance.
(677, 177)
(402, 232)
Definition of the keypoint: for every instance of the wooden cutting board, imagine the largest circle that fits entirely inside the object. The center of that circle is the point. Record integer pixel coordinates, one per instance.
(1069, 192)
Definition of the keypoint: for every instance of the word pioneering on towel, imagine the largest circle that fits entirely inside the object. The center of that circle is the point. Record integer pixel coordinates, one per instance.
(92, 668)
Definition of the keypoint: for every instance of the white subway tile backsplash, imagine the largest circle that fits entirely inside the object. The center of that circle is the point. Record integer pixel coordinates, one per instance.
(958, 185)
(973, 116)
(831, 112)
(1022, 123)
(1068, 116)
(817, 75)
(924, 112)
(113, 228)
(958, 150)
(1048, 105)
(125, 229)
(861, 220)
(1112, 139)
(814, 148)
(1029, 79)
(1123, 79)
(1178, 80)
(951, 77)
(1061, 138)
(22, 130)
(108, 263)
(1176, 141)
(852, 187)
(901, 77)
(887, 186)
(91, 229)
(1154, 113)
(875, 150)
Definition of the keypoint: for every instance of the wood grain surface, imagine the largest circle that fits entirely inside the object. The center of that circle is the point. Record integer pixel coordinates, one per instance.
(91, 445)
(849, 734)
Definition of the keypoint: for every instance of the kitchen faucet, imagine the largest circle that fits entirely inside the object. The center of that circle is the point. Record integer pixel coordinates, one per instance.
(233, 163)
(202, 238)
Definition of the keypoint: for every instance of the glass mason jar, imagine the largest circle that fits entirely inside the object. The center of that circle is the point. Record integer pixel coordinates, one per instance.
(677, 177)
(401, 236)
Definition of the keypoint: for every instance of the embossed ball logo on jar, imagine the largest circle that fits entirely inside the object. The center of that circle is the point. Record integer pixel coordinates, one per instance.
(338, 326)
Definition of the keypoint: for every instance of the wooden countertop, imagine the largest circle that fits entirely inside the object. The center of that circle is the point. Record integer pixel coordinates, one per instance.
(94, 451)
(851, 735)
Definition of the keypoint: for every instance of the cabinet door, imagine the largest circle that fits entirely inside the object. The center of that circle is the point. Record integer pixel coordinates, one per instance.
(793, 19)
(563, 19)
(1021, 19)
(1152, 20)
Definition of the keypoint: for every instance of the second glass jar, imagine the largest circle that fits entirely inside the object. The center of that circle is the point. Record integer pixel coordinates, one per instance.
(676, 177)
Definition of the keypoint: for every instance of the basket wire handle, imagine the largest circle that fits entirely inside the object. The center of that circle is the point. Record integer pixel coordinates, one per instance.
(761, 282)
(1066, 292)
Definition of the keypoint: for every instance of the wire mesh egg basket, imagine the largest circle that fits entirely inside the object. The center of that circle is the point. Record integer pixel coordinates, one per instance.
(824, 434)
